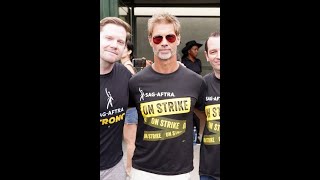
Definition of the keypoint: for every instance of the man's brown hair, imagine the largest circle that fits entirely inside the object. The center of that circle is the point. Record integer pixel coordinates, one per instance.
(117, 21)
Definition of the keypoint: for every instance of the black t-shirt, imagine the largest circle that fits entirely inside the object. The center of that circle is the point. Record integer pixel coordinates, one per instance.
(210, 145)
(165, 104)
(114, 96)
(194, 66)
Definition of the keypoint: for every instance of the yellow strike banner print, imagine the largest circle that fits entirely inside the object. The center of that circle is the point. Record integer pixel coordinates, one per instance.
(170, 128)
(213, 125)
(153, 113)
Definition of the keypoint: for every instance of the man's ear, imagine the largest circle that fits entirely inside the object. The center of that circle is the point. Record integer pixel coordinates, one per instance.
(178, 40)
(150, 40)
(129, 52)
(206, 55)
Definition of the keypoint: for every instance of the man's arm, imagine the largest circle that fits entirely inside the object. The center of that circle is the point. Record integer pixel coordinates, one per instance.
(199, 109)
(203, 119)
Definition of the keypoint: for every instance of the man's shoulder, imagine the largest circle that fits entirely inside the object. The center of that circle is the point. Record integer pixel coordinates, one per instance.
(189, 71)
(190, 75)
(119, 66)
(143, 73)
(122, 70)
(208, 76)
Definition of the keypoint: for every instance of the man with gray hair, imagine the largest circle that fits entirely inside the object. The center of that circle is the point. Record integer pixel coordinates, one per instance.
(165, 94)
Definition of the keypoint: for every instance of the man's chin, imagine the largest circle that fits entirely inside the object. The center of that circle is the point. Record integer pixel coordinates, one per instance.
(110, 60)
(165, 57)
(113, 58)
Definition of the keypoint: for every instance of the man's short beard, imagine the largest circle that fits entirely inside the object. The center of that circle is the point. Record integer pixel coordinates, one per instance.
(173, 53)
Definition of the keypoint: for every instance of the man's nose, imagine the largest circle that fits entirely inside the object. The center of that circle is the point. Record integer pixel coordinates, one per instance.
(114, 43)
(164, 42)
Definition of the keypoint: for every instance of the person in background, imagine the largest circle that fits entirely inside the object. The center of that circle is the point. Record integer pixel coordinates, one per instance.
(210, 116)
(131, 117)
(189, 57)
(127, 56)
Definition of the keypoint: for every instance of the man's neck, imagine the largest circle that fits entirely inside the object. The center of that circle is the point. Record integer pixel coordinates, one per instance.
(217, 74)
(191, 58)
(165, 67)
(105, 67)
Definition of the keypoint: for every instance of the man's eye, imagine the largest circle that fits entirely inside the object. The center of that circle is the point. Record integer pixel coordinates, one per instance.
(213, 52)
(121, 42)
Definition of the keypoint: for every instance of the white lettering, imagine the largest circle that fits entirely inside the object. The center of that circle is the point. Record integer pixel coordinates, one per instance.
(111, 112)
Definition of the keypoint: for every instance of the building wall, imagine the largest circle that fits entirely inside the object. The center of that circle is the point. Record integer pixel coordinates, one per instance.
(109, 8)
